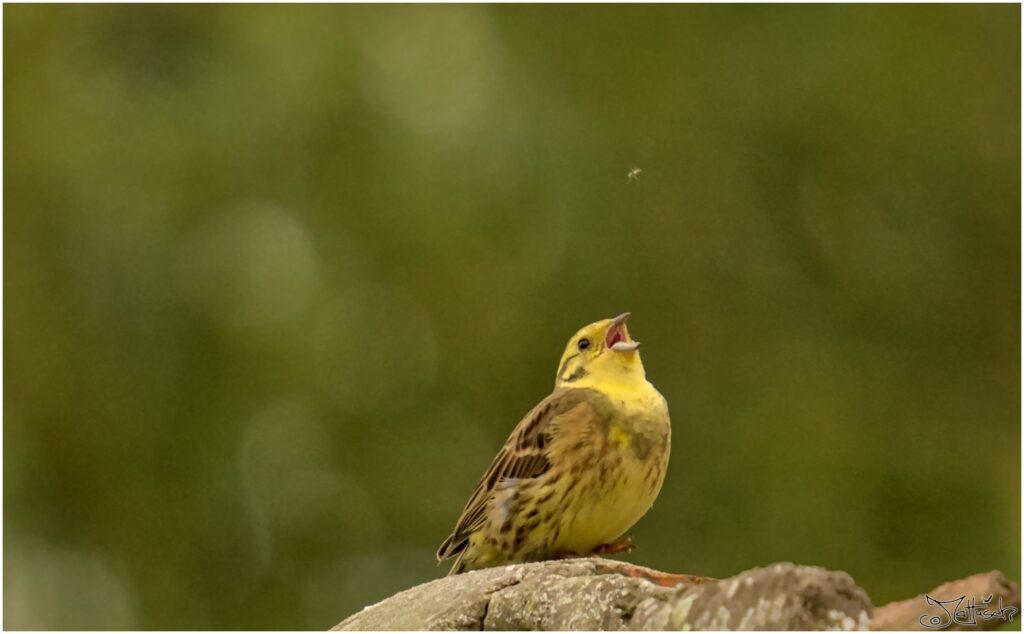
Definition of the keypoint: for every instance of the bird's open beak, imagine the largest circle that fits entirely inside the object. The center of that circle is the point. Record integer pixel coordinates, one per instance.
(617, 337)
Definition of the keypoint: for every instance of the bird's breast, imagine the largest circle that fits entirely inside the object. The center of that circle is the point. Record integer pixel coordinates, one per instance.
(627, 468)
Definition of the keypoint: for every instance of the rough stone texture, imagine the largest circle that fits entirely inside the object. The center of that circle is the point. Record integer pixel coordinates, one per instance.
(600, 594)
(779, 597)
(589, 594)
(449, 603)
(913, 614)
(556, 602)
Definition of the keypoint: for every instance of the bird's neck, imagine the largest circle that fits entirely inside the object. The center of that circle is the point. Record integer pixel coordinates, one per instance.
(616, 379)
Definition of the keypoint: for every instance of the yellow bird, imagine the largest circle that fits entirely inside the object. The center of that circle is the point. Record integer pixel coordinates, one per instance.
(579, 470)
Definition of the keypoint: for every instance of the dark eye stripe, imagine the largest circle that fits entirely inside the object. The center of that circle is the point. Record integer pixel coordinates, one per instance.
(565, 364)
(576, 375)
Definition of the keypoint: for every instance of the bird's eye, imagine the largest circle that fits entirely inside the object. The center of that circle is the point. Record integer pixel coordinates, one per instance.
(583, 344)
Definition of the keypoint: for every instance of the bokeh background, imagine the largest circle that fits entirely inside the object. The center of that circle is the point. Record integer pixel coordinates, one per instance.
(280, 280)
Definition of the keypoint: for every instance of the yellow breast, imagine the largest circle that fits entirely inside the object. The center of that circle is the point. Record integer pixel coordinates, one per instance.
(628, 467)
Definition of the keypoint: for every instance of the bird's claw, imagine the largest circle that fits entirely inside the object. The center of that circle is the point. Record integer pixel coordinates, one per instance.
(623, 544)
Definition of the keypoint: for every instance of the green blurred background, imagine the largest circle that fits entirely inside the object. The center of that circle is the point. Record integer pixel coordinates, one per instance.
(280, 280)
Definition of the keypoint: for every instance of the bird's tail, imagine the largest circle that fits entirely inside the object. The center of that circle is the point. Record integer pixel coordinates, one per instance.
(457, 549)
(459, 566)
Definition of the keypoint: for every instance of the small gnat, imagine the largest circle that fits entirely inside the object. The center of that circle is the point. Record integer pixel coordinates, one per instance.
(633, 174)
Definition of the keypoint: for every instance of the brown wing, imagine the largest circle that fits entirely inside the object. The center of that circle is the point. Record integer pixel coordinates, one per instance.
(523, 456)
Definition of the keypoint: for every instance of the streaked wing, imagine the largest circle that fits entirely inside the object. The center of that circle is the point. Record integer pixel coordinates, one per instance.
(524, 456)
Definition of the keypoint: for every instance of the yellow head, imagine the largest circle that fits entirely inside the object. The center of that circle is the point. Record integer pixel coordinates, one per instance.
(601, 354)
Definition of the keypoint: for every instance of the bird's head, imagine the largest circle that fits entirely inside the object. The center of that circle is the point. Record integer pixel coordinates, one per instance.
(600, 354)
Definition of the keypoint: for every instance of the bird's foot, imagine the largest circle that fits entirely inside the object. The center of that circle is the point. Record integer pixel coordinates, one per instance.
(623, 544)
(568, 554)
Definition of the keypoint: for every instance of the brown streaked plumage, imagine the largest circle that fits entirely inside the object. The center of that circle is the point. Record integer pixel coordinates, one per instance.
(577, 471)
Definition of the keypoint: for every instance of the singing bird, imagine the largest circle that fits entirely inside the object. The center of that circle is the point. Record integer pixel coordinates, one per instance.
(579, 470)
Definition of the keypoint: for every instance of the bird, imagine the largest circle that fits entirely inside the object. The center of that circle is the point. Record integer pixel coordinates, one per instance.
(579, 470)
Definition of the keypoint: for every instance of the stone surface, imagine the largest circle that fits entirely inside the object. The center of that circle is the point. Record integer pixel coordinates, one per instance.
(992, 589)
(779, 597)
(597, 594)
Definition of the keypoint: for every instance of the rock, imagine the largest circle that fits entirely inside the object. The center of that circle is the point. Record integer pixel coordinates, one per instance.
(779, 597)
(598, 594)
(992, 589)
